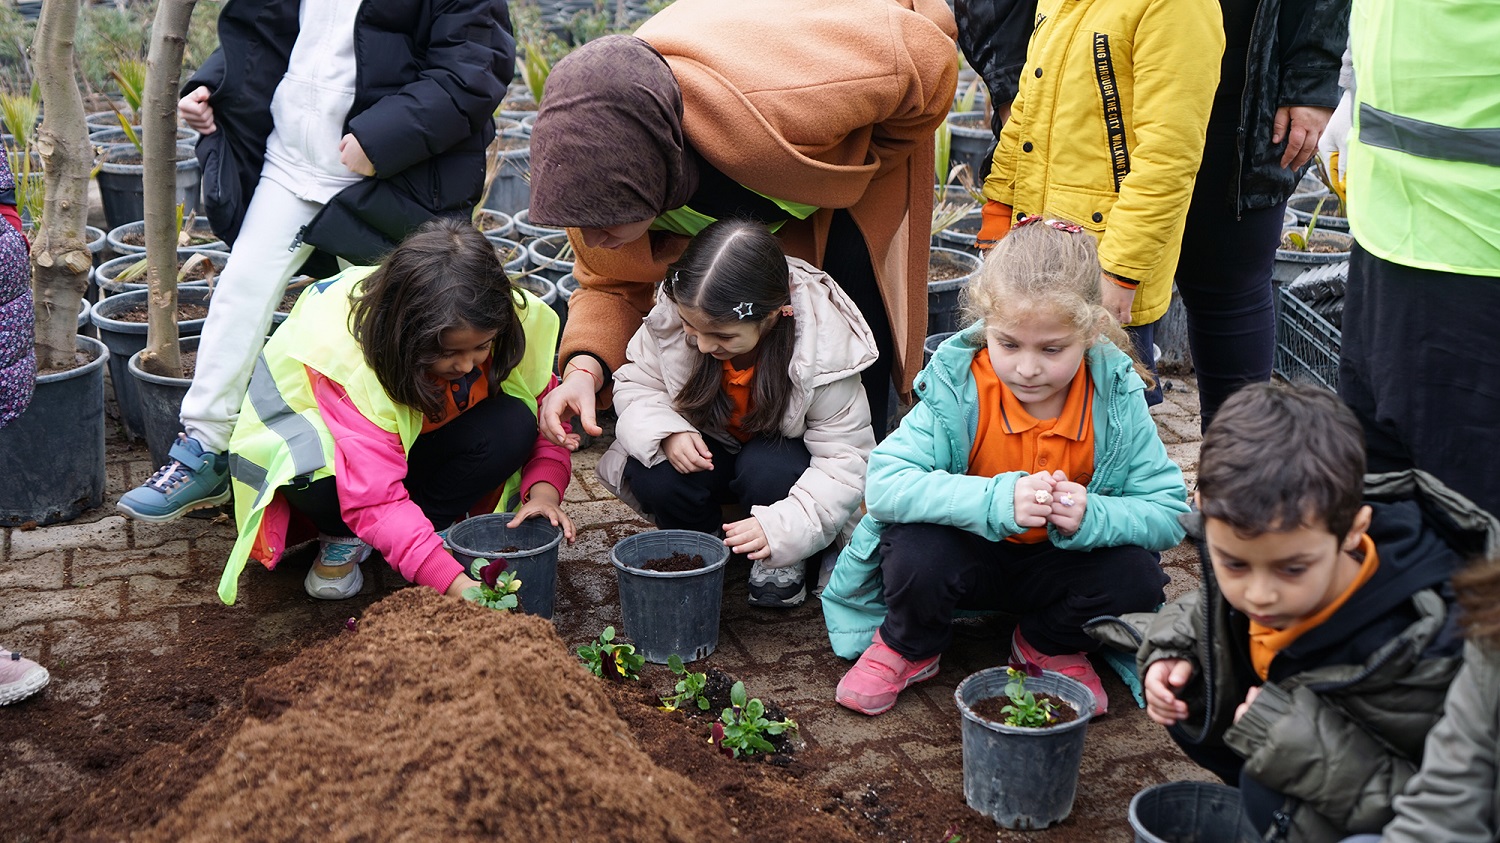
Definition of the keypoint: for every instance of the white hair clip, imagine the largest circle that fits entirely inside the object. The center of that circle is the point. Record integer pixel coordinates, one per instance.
(744, 310)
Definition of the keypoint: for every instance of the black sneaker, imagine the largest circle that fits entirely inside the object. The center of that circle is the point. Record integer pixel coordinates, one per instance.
(776, 588)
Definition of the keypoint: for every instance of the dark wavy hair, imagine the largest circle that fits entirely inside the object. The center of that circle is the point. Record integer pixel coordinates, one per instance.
(443, 275)
(1277, 457)
(729, 264)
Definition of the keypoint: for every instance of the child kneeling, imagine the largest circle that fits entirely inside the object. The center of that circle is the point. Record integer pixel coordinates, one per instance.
(392, 402)
(743, 387)
(1312, 662)
(1029, 478)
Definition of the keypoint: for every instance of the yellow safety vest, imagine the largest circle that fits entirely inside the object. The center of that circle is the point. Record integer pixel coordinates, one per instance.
(280, 435)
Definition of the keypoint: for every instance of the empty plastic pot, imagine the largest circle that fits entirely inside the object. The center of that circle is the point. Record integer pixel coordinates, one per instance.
(1187, 812)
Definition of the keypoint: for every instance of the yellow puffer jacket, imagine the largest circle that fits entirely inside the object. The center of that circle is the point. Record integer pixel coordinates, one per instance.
(1107, 130)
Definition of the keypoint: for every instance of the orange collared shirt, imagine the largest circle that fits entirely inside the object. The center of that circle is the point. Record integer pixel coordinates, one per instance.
(1009, 439)
(1266, 642)
(737, 386)
(462, 394)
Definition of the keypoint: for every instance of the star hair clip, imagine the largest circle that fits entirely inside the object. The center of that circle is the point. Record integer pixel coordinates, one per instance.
(744, 310)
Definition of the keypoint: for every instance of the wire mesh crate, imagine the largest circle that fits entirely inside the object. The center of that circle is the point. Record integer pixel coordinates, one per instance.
(1307, 345)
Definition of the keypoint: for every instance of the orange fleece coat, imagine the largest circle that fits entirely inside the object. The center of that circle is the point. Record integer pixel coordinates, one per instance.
(830, 103)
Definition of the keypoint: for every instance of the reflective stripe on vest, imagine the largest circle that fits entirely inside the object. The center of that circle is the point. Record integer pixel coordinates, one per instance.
(1428, 140)
(302, 440)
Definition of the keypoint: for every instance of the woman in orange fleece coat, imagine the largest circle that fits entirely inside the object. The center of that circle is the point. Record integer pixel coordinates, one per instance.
(815, 118)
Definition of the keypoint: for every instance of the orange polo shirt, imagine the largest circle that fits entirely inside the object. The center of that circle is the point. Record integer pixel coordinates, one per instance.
(462, 394)
(1266, 642)
(1009, 439)
(737, 386)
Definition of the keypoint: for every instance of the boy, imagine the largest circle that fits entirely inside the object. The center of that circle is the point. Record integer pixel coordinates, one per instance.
(1312, 662)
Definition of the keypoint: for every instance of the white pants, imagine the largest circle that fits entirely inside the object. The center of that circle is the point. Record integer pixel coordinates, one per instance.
(239, 314)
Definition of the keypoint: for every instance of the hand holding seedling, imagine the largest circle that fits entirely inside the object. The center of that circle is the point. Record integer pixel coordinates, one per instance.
(1069, 502)
(687, 453)
(1032, 509)
(1250, 695)
(747, 538)
(544, 500)
(1163, 680)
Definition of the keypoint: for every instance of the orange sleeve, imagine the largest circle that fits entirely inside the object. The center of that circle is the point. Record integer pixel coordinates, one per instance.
(995, 222)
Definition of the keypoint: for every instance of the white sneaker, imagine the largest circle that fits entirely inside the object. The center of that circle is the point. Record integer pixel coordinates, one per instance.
(337, 552)
(20, 677)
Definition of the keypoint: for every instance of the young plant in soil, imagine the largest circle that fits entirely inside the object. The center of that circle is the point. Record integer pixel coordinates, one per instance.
(608, 660)
(743, 726)
(689, 688)
(1021, 707)
(497, 588)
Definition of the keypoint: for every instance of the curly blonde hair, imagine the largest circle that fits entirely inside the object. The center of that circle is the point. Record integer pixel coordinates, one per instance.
(1040, 270)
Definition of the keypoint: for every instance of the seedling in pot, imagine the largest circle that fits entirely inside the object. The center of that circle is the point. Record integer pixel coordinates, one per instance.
(689, 688)
(608, 660)
(1301, 241)
(497, 588)
(1025, 709)
(743, 726)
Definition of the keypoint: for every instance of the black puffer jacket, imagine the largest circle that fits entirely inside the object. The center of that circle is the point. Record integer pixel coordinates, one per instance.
(430, 75)
(1297, 47)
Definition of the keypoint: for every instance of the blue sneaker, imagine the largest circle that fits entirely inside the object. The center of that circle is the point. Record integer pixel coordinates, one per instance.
(192, 480)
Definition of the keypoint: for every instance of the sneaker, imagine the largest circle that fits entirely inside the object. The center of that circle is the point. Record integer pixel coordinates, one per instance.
(1076, 666)
(20, 678)
(776, 588)
(194, 479)
(336, 552)
(871, 686)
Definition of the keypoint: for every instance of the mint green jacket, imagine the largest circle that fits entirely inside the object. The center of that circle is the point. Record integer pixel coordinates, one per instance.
(918, 475)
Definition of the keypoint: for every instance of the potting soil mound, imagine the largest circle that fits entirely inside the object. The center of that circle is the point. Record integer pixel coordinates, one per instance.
(438, 720)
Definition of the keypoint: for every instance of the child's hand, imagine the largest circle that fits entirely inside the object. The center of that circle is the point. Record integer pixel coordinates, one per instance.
(1163, 680)
(1250, 695)
(1033, 500)
(460, 584)
(545, 501)
(352, 156)
(574, 395)
(687, 453)
(746, 537)
(1069, 502)
(196, 112)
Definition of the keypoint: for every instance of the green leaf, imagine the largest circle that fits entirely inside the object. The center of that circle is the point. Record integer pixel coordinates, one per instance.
(754, 709)
(737, 694)
(674, 664)
(607, 635)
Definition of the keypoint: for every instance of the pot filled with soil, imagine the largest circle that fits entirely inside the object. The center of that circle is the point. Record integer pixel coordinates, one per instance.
(529, 549)
(973, 140)
(526, 230)
(930, 345)
(551, 256)
(121, 320)
(1174, 811)
(513, 256)
(120, 188)
(160, 399)
(671, 587)
(107, 276)
(948, 272)
(1022, 776)
(1299, 252)
(494, 223)
(961, 234)
(130, 238)
(1330, 211)
(511, 190)
(52, 456)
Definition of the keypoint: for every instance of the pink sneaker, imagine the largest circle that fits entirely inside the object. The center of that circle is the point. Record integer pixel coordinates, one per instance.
(19, 678)
(871, 686)
(1076, 666)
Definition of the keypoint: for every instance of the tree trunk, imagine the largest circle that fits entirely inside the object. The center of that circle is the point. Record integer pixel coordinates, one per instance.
(159, 182)
(60, 258)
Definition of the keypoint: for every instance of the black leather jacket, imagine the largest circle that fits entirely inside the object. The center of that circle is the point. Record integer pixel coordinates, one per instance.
(1297, 47)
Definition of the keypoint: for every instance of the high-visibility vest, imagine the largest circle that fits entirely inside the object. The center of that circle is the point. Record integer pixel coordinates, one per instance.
(281, 437)
(1424, 157)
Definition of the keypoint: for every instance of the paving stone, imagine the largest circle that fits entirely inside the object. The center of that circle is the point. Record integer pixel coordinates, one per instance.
(602, 512)
(83, 686)
(30, 641)
(97, 601)
(77, 644)
(589, 486)
(1185, 454)
(1175, 430)
(26, 766)
(168, 560)
(109, 533)
(46, 571)
(152, 535)
(149, 594)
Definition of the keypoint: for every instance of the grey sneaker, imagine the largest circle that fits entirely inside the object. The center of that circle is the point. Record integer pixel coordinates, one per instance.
(777, 588)
(336, 552)
(194, 479)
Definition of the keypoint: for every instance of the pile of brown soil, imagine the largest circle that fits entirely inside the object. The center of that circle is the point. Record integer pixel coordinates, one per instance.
(459, 723)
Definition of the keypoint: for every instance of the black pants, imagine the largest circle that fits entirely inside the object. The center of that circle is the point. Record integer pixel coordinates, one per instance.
(1420, 366)
(847, 261)
(762, 473)
(931, 569)
(448, 470)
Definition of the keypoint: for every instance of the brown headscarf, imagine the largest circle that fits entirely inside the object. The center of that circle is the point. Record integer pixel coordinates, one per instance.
(607, 148)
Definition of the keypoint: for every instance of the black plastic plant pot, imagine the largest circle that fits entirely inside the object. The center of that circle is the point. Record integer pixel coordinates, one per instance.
(120, 188)
(511, 190)
(930, 345)
(1022, 777)
(476, 541)
(124, 339)
(1173, 811)
(137, 229)
(669, 613)
(943, 295)
(544, 253)
(52, 456)
(105, 276)
(160, 400)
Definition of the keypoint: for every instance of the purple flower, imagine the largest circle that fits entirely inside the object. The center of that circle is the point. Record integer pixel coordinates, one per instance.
(1029, 668)
(349, 624)
(717, 739)
(491, 572)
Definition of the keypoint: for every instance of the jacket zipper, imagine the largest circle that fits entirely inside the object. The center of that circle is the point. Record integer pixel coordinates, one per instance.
(1239, 132)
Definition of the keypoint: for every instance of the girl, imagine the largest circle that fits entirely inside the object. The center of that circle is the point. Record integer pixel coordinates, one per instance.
(743, 386)
(1029, 478)
(391, 402)
(17, 319)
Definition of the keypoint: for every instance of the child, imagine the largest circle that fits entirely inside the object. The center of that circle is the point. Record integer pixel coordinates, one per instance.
(743, 387)
(17, 320)
(391, 402)
(1029, 478)
(337, 125)
(1456, 794)
(1309, 666)
(1107, 129)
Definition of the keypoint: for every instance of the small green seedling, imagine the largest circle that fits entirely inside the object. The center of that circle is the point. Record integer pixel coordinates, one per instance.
(1301, 241)
(609, 660)
(497, 589)
(1025, 709)
(743, 726)
(689, 688)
